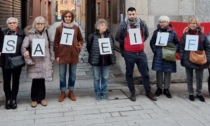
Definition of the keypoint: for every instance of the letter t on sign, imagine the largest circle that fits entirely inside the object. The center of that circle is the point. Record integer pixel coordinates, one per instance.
(67, 36)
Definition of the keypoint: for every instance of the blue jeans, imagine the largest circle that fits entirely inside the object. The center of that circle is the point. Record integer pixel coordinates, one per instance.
(72, 76)
(140, 59)
(101, 75)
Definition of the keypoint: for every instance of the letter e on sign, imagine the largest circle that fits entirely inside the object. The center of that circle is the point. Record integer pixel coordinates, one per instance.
(105, 46)
(38, 47)
(67, 36)
(10, 44)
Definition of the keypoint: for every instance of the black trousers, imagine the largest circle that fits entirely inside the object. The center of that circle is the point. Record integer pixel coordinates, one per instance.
(38, 90)
(11, 90)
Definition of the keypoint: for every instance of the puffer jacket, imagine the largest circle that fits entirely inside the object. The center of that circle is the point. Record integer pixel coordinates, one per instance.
(95, 58)
(43, 65)
(204, 44)
(158, 63)
(122, 31)
(5, 56)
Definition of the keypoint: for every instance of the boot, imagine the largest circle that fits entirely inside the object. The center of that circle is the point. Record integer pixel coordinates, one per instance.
(62, 96)
(72, 96)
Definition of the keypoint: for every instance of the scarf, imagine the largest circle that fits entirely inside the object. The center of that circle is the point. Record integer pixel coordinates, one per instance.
(133, 24)
(69, 25)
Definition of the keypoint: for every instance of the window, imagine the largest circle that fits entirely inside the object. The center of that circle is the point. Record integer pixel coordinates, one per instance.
(98, 9)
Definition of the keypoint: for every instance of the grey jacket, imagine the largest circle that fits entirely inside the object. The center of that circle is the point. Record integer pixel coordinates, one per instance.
(43, 65)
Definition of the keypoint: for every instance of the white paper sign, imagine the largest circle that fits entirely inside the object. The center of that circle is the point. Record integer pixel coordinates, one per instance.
(10, 44)
(67, 36)
(135, 36)
(105, 46)
(162, 39)
(38, 47)
(191, 43)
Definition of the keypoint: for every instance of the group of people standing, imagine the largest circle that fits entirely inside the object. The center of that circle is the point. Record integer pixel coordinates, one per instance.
(67, 56)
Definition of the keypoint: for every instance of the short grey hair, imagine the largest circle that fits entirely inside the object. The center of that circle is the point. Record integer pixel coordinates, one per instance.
(39, 19)
(164, 18)
(100, 21)
(12, 18)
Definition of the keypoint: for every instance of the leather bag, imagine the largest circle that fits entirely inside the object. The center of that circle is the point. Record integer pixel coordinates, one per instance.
(198, 57)
(17, 61)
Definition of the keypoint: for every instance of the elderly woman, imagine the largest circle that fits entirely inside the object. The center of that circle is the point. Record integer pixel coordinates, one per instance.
(9, 72)
(38, 67)
(163, 67)
(67, 54)
(100, 62)
(194, 29)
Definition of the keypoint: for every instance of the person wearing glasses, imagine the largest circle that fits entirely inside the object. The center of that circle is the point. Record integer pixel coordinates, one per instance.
(68, 42)
(131, 35)
(11, 90)
(39, 67)
(194, 29)
(163, 67)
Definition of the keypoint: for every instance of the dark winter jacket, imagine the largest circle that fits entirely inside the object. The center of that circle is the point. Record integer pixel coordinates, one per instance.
(1, 44)
(158, 63)
(122, 31)
(95, 58)
(204, 44)
(5, 56)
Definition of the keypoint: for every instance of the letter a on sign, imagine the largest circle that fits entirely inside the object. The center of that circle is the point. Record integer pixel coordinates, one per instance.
(105, 46)
(67, 36)
(10, 44)
(38, 47)
(191, 43)
(162, 39)
(135, 37)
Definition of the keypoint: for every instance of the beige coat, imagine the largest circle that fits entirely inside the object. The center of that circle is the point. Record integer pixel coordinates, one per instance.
(43, 65)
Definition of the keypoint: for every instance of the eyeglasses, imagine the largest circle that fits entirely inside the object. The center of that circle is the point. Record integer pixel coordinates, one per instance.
(12, 23)
(40, 24)
(67, 16)
(193, 23)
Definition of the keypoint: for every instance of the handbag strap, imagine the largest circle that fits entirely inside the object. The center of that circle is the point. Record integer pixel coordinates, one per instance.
(48, 38)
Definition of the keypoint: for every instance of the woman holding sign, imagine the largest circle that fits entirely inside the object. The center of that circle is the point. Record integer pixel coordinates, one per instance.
(39, 60)
(67, 46)
(194, 41)
(11, 48)
(100, 46)
(163, 37)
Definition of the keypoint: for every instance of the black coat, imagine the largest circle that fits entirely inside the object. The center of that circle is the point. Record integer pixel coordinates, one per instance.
(185, 54)
(1, 44)
(95, 58)
(158, 63)
(5, 56)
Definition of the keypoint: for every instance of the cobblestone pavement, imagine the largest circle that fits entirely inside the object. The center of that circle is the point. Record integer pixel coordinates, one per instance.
(119, 110)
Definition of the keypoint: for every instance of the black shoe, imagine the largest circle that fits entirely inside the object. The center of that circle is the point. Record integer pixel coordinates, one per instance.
(133, 97)
(191, 97)
(151, 96)
(167, 93)
(8, 104)
(13, 104)
(201, 98)
(158, 92)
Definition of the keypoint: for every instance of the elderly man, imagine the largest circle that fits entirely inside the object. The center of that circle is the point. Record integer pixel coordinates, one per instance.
(133, 50)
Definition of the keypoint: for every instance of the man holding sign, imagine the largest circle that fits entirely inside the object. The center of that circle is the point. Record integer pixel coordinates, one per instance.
(131, 34)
